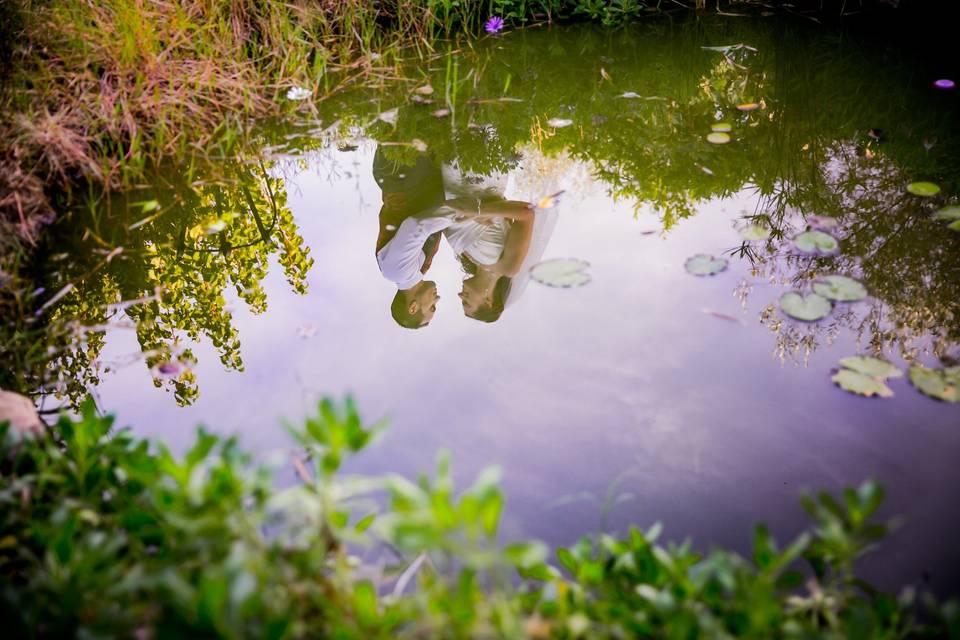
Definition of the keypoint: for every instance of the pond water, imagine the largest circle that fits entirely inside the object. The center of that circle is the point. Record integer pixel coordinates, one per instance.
(253, 288)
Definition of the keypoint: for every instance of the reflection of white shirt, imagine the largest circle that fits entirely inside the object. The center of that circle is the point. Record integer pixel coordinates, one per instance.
(402, 257)
(483, 243)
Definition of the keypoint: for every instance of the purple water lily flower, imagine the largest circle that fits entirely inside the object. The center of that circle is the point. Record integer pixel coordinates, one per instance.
(942, 83)
(494, 24)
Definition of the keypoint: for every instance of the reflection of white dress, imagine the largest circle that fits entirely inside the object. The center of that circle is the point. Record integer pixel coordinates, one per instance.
(484, 243)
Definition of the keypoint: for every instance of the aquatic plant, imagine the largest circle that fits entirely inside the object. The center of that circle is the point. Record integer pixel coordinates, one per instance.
(105, 534)
(493, 25)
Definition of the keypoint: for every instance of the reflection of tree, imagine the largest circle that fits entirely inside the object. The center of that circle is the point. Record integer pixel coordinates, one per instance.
(179, 265)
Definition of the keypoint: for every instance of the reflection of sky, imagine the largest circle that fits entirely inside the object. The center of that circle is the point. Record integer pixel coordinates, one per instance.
(572, 388)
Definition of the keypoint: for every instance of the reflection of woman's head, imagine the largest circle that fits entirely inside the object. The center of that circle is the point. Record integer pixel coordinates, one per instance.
(484, 295)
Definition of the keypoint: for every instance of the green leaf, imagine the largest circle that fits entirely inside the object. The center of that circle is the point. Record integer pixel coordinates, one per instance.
(705, 265)
(809, 309)
(721, 127)
(861, 384)
(840, 289)
(924, 189)
(870, 366)
(816, 242)
(948, 213)
(954, 226)
(936, 383)
(755, 232)
(561, 272)
(718, 137)
(364, 523)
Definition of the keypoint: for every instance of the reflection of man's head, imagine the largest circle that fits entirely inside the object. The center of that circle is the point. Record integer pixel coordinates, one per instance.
(413, 308)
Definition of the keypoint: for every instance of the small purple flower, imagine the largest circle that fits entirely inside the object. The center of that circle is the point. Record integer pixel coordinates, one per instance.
(494, 24)
(942, 83)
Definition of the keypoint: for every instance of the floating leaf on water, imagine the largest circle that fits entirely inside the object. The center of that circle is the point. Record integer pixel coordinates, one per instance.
(548, 202)
(748, 106)
(944, 83)
(703, 264)
(936, 383)
(809, 309)
(561, 272)
(860, 384)
(718, 137)
(425, 90)
(816, 242)
(441, 113)
(925, 189)
(721, 127)
(298, 93)
(419, 145)
(390, 117)
(169, 368)
(822, 222)
(870, 366)
(840, 289)
(558, 123)
(307, 330)
(948, 213)
(755, 232)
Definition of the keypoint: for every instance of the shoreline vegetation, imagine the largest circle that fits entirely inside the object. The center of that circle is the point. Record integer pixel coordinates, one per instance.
(92, 94)
(103, 534)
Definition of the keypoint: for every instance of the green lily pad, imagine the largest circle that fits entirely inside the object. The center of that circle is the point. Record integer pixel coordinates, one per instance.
(860, 384)
(840, 289)
(925, 189)
(936, 383)
(816, 242)
(561, 272)
(721, 127)
(718, 137)
(870, 366)
(755, 232)
(955, 225)
(948, 213)
(809, 309)
(705, 265)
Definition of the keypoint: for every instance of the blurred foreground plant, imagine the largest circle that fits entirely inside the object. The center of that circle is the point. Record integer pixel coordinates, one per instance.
(104, 534)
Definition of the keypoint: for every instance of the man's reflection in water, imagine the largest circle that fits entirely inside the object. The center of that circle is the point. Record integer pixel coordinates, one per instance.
(409, 234)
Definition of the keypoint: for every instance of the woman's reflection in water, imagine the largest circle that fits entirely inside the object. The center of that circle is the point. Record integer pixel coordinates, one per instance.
(496, 240)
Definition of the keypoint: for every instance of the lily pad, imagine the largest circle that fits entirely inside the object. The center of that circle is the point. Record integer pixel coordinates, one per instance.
(860, 384)
(705, 265)
(822, 222)
(936, 383)
(840, 289)
(755, 232)
(809, 309)
(558, 123)
(721, 127)
(718, 137)
(870, 366)
(925, 189)
(561, 272)
(948, 213)
(816, 242)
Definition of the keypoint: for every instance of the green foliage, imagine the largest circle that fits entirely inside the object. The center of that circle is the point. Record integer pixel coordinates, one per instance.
(106, 535)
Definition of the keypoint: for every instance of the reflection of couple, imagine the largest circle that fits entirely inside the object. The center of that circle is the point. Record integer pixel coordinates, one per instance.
(494, 239)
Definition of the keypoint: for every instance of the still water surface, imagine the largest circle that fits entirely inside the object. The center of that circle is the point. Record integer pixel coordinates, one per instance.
(691, 400)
